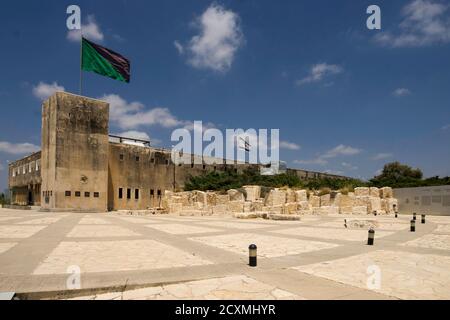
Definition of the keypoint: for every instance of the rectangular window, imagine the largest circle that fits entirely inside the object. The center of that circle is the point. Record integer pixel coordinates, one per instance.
(87, 194)
(24, 170)
(77, 194)
(96, 195)
(128, 193)
(137, 159)
(136, 194)
(120, 193)
(152, 160)
(14, 172)
(38, 165)
(159, 193)
(167, 162)
(152, 192)
(121, 157)
(29, 168)
(68, 193)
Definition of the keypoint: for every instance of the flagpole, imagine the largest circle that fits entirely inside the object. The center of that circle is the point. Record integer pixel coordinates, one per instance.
(81, 62)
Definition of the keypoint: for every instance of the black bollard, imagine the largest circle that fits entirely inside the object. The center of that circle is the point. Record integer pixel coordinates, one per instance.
(396, 215)
(423, 219)
(413, 225)
(253, 254)
(414, 216)
(371, 239)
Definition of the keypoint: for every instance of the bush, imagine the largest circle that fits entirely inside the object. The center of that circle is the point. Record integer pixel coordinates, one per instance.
(230, 180)
(217, 181)
(397, 175)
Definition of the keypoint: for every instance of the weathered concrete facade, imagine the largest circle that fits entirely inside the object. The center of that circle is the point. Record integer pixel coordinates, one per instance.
(81, 169)
(25, 180)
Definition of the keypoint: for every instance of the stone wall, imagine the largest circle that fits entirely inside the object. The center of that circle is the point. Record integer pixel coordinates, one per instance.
(282, 201)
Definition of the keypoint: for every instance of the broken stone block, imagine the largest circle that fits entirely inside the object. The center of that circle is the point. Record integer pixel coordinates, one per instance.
(346, 210)
(275, 197)
(374, 204)
(324, 211)
(386, 192)
(362, 201)
(211, 199)
(361, 224)
(362, 192)
(301, 195)
(257, 205)
(374, 192)
(346, 200)
(359, 210)
(175, 207)
(325, 200)
(236, 206)
(200, 196)
(246, 215)
(290, 196)
(220, 209)
(390, 205)
(285, 217)
(314, 201)
(303, 205)
(247, 206)
(235, 195)
(290, 208)
(276, 209)
(222, 199)
(253, 193)
(336, 200)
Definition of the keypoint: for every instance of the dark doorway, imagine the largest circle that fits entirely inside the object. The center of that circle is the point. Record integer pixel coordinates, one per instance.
(30, 198)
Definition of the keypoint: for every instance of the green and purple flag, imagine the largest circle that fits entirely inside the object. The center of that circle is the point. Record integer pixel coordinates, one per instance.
(104, 61)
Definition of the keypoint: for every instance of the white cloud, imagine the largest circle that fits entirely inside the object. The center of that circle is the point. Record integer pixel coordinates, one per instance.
(18, 148)
(320, 71)
(349, 166)
(382, 156)
(378, 172)
(178, 46)
(446, 127)
(289, 145)
(134, 115)
(401, 92)
(44, 90)
(425, 22)
(219, 39)
(91, 31)
(340, 150)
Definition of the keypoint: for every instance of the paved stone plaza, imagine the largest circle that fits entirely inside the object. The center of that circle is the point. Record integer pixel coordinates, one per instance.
(176, 257)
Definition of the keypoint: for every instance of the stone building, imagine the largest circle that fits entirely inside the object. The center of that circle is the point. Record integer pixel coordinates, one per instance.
(83, 168)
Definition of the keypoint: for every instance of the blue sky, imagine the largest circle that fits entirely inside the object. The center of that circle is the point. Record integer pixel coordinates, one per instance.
(346, 99)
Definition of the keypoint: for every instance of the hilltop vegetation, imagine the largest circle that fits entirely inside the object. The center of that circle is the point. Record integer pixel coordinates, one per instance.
(395, 175)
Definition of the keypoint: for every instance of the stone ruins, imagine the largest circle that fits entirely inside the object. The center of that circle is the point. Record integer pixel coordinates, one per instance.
(280, 203)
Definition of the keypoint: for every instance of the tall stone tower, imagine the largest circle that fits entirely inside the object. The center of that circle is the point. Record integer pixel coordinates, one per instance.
(74, 154)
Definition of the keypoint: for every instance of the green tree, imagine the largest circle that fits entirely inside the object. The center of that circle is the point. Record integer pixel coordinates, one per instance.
(398, 175)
